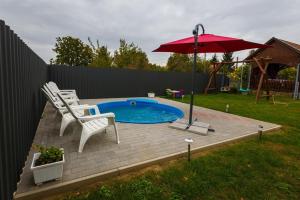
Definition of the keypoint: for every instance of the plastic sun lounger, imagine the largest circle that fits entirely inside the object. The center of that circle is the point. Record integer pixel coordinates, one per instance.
(67, 118)
(66, 93)
(53, 94)
(92, 124)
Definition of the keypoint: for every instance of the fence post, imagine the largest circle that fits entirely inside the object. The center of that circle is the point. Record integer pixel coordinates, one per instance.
(296, 90)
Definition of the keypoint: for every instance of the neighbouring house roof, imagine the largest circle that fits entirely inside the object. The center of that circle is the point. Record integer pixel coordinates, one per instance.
(293, 46)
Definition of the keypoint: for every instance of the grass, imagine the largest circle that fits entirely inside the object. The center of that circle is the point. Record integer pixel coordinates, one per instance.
(250, 169)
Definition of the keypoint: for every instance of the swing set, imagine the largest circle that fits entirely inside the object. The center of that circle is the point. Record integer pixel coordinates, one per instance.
(247, 89)
(262, 64)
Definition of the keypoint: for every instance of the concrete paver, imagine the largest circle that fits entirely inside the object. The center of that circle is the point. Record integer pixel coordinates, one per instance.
(139, 142)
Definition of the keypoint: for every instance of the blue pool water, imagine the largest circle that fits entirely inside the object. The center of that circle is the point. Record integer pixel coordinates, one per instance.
(141, 111)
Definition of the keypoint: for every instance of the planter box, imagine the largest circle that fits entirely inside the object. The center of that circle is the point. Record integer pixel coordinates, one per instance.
(151, 94)
(43, 173)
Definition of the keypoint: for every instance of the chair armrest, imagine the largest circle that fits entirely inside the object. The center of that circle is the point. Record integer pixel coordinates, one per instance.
(68, 91)
(69, 101)
(87, 107)
(84, 106)
(69, 96)
(105, 115)
(63, 110)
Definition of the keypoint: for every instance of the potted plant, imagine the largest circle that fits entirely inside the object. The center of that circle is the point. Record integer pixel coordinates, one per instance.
(151, 94)
(47, 164)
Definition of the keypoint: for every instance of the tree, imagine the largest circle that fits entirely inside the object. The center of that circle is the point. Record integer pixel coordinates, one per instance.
(179, 63)
(155, 67)
(101, 55)
(203, 65)
(227, 57)
(214, 59)
(239, 77)
(71, 51)
(130, 56)
(252, 51)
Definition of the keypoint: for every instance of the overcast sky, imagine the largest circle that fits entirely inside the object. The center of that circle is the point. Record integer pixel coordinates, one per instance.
(148, 23)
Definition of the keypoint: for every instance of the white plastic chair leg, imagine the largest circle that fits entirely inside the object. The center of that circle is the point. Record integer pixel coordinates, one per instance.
(63, 125)
(84, 137)
(117, 135)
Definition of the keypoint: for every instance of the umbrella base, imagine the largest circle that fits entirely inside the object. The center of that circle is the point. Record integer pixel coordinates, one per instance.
(197, 127)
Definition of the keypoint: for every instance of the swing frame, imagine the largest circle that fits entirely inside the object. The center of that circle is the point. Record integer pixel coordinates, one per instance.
(241, 89)
(262, 64)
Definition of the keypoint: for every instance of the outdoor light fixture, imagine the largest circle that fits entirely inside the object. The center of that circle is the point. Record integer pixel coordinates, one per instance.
(227, 107)
(260, 131)
(189, 141)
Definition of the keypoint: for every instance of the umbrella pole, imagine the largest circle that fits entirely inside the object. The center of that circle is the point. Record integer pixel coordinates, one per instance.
(193, 86)
(195, 33)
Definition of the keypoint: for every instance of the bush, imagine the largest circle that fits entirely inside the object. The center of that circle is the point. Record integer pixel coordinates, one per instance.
(287, 73)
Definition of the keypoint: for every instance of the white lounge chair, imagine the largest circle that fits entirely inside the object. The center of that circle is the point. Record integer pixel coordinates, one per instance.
(92, 124)
(57, 103)
(67, 118)
(53, 94)
(54, 89)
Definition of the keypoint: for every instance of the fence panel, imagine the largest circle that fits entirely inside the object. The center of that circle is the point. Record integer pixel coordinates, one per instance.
(117, 82)
(22, 73)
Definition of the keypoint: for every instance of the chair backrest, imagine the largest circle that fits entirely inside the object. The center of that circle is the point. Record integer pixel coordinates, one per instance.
(50, 92)
(53, 86)
(68, 108)
(49, 98)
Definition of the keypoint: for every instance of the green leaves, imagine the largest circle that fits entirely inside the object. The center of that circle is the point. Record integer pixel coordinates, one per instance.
(48, 155)
(130, 56)
(179, 63)
(101, 56)
(72, 51)
(227, 57)
(183, 63)
(287, 73)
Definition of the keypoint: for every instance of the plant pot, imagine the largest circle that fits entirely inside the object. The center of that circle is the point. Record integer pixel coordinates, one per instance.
(47, 172)
(151, 94)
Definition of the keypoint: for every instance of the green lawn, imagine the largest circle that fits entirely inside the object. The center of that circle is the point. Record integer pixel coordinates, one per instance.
(250, 169)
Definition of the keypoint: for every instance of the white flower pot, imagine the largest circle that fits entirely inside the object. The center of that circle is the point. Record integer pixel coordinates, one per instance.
(47, 172)
(151, 94)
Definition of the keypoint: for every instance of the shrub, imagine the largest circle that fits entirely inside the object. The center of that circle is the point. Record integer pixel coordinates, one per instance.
(287, 73)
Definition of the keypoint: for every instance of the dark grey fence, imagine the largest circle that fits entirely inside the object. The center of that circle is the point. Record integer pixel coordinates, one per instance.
(22, 73)
(116, 82)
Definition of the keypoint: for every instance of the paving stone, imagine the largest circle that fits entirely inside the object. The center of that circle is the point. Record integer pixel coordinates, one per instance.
(139, 142)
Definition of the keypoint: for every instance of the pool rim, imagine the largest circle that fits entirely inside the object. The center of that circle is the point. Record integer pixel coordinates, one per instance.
(178, 111)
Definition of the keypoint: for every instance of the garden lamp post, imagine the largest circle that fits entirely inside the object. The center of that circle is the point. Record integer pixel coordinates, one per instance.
(189, 141)
(260, 131)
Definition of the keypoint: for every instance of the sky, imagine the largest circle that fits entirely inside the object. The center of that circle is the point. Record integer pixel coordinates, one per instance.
(148, 23)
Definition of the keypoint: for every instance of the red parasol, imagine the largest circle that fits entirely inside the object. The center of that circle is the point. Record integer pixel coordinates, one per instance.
(205, 43)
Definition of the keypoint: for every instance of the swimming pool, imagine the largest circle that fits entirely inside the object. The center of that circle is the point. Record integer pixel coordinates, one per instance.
(141, 111)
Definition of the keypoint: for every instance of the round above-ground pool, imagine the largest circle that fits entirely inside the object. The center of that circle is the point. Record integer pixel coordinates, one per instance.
(141, 111)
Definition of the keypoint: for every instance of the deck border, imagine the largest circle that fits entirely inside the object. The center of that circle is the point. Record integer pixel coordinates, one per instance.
(68, 186)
